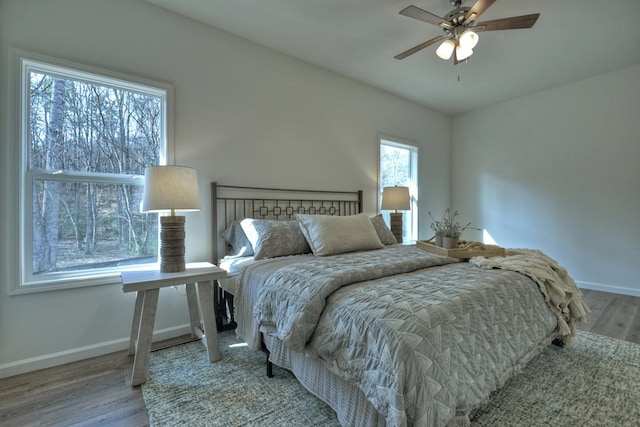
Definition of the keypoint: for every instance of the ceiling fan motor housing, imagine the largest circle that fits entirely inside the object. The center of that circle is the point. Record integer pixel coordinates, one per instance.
(456, 16)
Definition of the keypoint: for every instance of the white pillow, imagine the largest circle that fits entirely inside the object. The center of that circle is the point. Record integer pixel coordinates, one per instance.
(332, 235)
(273, 238)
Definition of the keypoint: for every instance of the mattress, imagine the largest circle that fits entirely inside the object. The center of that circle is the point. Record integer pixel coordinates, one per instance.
(233, 265)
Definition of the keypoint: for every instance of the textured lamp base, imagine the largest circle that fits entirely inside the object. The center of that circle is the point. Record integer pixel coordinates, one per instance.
(396, 225)
(172, 244)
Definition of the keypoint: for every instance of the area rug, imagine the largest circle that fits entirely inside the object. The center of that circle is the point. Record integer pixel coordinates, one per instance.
(594, 382)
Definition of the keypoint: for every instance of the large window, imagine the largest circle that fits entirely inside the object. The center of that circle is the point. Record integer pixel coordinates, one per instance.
(86, 138)
(399, 166)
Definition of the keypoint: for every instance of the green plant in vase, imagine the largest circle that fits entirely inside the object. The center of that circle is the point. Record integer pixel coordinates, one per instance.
(450, 228)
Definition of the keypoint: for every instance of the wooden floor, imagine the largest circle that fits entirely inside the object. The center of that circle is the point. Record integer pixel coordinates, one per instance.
(98, 392)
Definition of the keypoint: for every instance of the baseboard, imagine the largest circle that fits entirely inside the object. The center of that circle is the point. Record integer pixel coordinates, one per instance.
(81, 353)
(608, 288)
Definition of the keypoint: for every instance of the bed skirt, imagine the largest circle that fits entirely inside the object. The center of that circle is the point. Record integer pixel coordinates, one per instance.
(347, 400)
(350, 404)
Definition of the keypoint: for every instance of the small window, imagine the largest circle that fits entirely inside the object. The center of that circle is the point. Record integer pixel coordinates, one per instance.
(399, 166)
(86, 138)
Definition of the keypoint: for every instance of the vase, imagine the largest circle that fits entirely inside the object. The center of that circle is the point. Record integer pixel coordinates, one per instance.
(449, 242)
(439, 240)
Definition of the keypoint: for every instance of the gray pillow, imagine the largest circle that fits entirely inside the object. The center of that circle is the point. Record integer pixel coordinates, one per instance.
(237, 242)
(332, 235)
(272, 238)
(384, 234)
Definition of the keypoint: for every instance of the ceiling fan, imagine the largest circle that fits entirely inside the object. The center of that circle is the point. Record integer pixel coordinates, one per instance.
(460, 28)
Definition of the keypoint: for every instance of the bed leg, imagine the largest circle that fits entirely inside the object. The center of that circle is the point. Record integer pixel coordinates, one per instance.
(269, 363)
(269, 368)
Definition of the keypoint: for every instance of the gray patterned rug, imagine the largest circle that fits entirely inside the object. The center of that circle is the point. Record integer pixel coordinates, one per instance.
(594, 382)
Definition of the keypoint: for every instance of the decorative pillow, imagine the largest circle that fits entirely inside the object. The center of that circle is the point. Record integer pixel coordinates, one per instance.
(332, 235)
(384, 234)
(237, 242)
(272, 238)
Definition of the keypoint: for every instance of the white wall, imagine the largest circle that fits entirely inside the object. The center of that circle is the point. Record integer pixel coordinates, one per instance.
(244, 115)
(559, 171)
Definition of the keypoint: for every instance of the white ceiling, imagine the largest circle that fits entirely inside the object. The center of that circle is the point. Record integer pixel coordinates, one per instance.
(572, 40)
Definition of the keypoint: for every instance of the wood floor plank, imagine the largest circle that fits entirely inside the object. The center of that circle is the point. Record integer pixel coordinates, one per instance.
(95, 391)
(597, 302)
(613, 315)
(616, 319)
(634, 328)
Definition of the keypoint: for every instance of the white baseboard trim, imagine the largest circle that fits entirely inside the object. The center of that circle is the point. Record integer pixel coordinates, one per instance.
(608, 288)
(73, 355)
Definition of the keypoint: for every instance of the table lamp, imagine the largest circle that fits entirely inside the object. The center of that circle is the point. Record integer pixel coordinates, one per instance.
(171, 188)
(396, 198)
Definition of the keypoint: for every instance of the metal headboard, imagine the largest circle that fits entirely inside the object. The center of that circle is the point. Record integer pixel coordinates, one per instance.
(231, 202)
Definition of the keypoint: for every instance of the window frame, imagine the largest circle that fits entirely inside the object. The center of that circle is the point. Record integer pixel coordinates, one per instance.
(411, 226)
(23, 64)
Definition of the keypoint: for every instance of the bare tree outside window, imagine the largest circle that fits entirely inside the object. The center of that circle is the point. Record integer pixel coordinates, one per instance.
(398, 166)
(395, 165)
(89, 138)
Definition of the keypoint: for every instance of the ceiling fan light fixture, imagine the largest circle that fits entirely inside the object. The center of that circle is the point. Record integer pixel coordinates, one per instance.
(458, 26)
(468, 39)
(463, 52)
(445, 50)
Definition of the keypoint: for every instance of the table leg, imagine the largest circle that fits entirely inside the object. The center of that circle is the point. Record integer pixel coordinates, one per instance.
(135, 326)
(145, 336)
(205, 291)
(194, 314)
(217, 304)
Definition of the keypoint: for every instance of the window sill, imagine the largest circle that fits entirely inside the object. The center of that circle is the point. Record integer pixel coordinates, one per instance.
(48, 285)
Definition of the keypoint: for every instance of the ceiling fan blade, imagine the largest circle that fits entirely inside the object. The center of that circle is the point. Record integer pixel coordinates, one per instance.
(478, 9)
(422, 15)
(419, 47)
(513, 23)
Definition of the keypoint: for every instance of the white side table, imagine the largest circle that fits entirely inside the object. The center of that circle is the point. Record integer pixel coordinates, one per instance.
(147, 284)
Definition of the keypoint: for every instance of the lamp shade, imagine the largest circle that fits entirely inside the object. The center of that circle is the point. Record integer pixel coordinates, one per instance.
(395, 198)
(463, 53)
(173, 188)
(468, 39)
(445, 50)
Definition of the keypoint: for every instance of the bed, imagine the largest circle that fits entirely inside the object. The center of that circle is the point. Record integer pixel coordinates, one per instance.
(386, 334)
